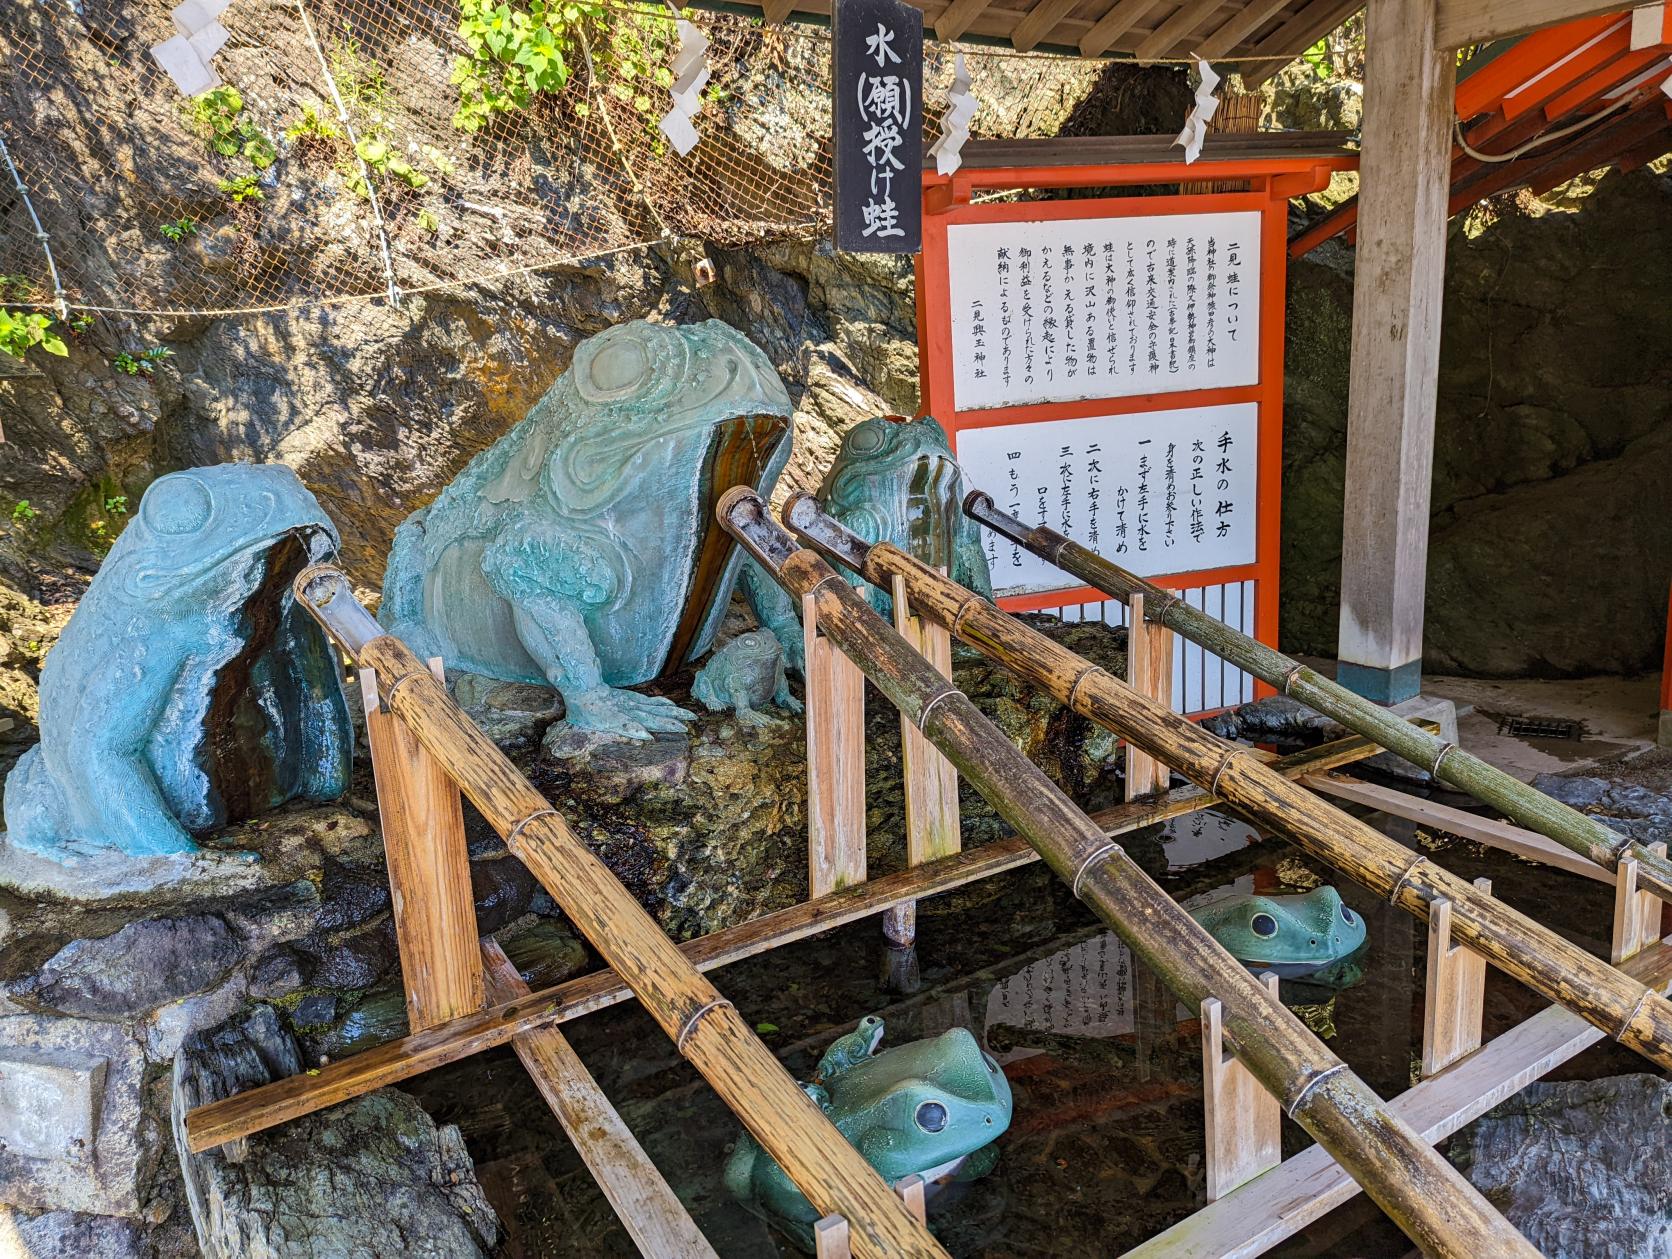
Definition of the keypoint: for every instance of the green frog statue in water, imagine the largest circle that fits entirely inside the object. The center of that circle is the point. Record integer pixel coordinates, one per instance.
(1291, 935)
(931, 1108)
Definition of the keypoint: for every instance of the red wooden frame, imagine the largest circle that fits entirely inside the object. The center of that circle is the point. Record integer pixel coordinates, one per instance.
(1272, 181)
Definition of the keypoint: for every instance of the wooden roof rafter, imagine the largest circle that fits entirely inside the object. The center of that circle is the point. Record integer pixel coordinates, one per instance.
(1543, 109)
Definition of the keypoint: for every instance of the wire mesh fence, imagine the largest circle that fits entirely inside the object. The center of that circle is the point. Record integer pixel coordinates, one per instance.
(362, 149)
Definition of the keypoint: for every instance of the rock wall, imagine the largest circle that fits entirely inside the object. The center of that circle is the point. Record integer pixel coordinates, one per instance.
(1553, 446)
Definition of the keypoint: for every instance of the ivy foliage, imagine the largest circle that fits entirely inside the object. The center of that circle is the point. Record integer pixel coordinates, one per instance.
(515, 54)
(219, 116)
(22, 330)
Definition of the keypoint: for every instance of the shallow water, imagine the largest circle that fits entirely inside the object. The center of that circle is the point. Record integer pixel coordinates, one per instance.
(1105, 1147)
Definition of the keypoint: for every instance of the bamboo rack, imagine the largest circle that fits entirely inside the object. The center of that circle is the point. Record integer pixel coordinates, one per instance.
(258, 1109)
(705, 1027)
(1404, 1175)
(1446, 761)
(1559, 970)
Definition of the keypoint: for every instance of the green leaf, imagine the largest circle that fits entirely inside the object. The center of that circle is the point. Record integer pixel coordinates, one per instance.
(766, 1029)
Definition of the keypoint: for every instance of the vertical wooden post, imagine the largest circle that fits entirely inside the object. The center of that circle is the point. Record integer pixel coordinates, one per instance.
(1455, 1000)
(830, 1238)
(932, 829)
(1636, 914)
(422, 821)
(1400, 277)
(830, 1235)
(835, 762)
(1149, 671)
(913, 1191)
(1244, 1122)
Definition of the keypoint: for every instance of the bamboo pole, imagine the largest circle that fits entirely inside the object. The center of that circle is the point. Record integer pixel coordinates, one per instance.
(1405, 1176)
(705, 1027)
(1446, 761)
(1550, 965)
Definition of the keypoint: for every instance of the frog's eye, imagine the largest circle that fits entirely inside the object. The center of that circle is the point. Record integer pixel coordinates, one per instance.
(931, 1117)
(176, 505)
(1263, 925)
(1347, 916)
(866, 438)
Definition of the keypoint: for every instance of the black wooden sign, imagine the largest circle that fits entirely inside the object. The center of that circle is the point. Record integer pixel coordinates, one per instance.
(877, 80)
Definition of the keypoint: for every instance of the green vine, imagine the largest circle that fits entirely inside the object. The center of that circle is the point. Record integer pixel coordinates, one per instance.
(22, 330)
(219, 115)
(516, 53)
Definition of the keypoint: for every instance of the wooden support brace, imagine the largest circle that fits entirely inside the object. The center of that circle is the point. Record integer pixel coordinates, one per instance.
(647, 1207)
(1636, 914)
(1149, 671)
(422, 821)
(830, 1235)
(932, 829)
(1244, 1122)
(1456, 995)
(835, 763)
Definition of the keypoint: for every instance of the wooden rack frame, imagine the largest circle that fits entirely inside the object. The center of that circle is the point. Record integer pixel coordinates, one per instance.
(1255, 1200)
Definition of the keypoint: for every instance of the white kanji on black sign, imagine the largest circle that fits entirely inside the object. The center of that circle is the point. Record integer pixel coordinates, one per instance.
(878, 84)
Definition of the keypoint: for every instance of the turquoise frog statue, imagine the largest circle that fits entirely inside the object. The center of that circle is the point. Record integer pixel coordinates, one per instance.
(893, 480)
(744, 675)
(932, 1108)
(1290, 935)
(189, 690)
(581, 550)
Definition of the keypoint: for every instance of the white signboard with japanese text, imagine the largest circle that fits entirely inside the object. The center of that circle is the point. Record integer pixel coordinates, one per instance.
(1158, 492)
(1060, 310)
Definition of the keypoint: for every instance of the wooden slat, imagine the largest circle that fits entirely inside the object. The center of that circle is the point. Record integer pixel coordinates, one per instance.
(1149, 671)
(1294, 37)
(647, 1207)
(1460, 22)
(931, 781)
(1321, 146)
(1167, 37)
(1308, 1186)
(1455, 997)
(1636, 914)
(422, 820)
(1040, 21)
(1228, 37)
(835, 764)
(270, 1105)
(1120, 18)
(1489, 831)
(955, 19)
(1243, 1122)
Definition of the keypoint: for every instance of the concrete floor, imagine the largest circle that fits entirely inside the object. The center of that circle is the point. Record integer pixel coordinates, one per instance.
(1618, 719)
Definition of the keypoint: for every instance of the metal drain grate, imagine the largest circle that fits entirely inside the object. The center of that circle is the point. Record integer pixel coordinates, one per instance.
(1540, 728)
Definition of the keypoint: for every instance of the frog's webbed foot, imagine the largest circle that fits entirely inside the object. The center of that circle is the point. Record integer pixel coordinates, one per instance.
(627, 714)
(747, 716)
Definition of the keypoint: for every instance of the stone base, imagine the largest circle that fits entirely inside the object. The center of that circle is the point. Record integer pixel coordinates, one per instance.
(1663, 736)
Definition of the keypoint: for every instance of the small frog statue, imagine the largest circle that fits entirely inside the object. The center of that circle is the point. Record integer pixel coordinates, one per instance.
(189, 690)
(932, 1108)
(893, 480)
(581, 550)
(744, 675)
(1290, 935)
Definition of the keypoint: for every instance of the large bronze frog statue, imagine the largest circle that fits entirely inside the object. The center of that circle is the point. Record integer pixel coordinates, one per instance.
(581, 549)
(893, 480)
(932, 1108)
